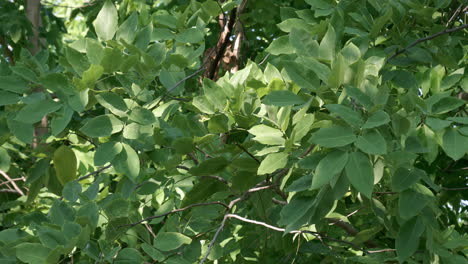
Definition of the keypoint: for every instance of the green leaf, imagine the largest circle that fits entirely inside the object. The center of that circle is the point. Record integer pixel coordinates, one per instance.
(102, 126)
(65, 164)
(334, 136)
(58, 83)
(107, 152)
(360, 173)
(377, 119)
(13, 84)
(91, 75)
(282, 98)
(351, 53)
(127, 162)
(214, 93)
(60, 121)
(152, 252)
(327, 45)
(446, 104)
(7, 98)
(71, 191)
(322, 70)
(106, 21)
(280, 46)
(296, 213)
(272, 162)
(407, 240)
(128, 255)
(210, 166)
(360, 97)
(22, 131)
(437, 124)
(127, 30)
(330, 166)
(190, 35)
(33, 113)
(32, 253)
(303, 43)
(113, 102)
(218, 124)
(350, 116)
(339, 72)
(267, 135)
(403, 178)
(372, 143)
(412, 201)
(454, 144)
(142, 116)
(167, 241)
(380, 22)
(302, 127)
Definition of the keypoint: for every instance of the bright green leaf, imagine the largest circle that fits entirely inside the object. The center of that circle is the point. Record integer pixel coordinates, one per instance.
(360, 173)
(334, 136)
(102, 126)
(106, 21)
(372, 142)
(272, 162)
(331, 165)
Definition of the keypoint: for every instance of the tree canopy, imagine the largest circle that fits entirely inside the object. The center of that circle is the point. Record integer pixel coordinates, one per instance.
(235, 131)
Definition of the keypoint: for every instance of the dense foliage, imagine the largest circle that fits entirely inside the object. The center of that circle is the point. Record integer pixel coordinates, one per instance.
(262, 131)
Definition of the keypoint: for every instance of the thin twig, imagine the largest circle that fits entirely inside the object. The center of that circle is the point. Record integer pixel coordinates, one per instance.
(308, 150)
(381, 250)
(12, 182)
(248, 153)
(204, 152)
(94, 172)
(454, 189)
(264, 59)
(416, 42)
(455, 15)
(174, 211)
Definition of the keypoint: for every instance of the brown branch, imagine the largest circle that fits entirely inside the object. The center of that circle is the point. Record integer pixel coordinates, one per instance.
(416, 42)
(308, 150)
(351, 230)
(12, 182)
(94, 172)
(173, 211)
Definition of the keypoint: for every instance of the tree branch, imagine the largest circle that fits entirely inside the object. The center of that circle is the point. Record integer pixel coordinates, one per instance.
(12, 182)
(248, 153)
(94, 172)
(446, 31)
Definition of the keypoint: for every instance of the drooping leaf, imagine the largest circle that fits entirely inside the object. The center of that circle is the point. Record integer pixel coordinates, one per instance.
(360, 173)
(34, 112)
(127, 30)
(331, 165)
(107, 152)
(280, 46)
(403, 178)
(413, 200)
(65, 164)
(127, 162)
(106, 21)
(407, 240)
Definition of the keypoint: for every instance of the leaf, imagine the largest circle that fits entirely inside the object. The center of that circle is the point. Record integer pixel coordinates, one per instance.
(334, 136)
(190, 35)
(107, 152)
(65, 164)
(437, 124)
(272, 162)
(127, 162)
(128, 255)
(32, 253)
(102, 126)
(403, 178)
(454, 144)
(338, 75)
(71, 191)
(113, 102)
(267, 135)
(214, 93)
(412, 201)
(322, 70)
(210, 166)
(5, 160)
(166, 241)
(7, 98)
(91, 75)
(360, 97)
(13, 84)
(282, 98)
(302, 127)
(280, 46)
(327, 45)
(330, 166)
(372, 143)
(127, 30)
(377, 119)
(407, 240)
(22, 131)
(152, 252)
(360, 173)
(350, 116)
(106, 21)
(142, 116)
(446, 104)
(351, 53)
(33, 113)
(303, 43)
(296, 213)
(60, 121)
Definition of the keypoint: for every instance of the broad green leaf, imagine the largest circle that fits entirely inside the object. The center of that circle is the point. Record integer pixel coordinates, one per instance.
(113, 102)
(351, 53)
(152, 252)
(282, 98)
(22, 131)
(412, 201)
(407, 240)
(25, 73)
(218, 124)
(91, 75)
(127, 162)
(302, 127)
(334, 136)
(166, 241)
(349, 115)
(65, 164)
(403, 178)
(280, 46)
(267, 135)
(322, 70)
(7, 98)
(214, 93)
(339, 72)
(71, 191)
(446, 104)
(34, 112)
(210, 166)
(372, 142)
(32, 253)
(60, 121)
(377, 119)
(360, 173)
(271, 73)
(302, 76)
(327, 45)
(102, 126)
(13, 84)
(107, 152)
(272, 162)
(5, 160)
(437, 124)
(183, 145)
(128, 29)
(459, 119)
(212, 8)
(190, 35)
(330, 166)
(142, 116)
(304, 43)
(106, 21)
(454, 144)
(94, 51)
(61, 212)
(296, 213)
(111, 59)
(50, 237)
(380, 22)
(359, 96)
